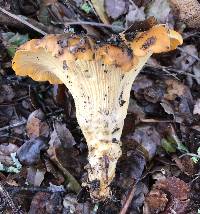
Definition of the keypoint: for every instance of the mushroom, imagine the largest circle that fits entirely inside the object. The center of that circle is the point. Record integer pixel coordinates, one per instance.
(99, 77)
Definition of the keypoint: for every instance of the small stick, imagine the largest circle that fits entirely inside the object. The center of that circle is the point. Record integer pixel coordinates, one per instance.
(93, 24)
(20, 19)
(128, 200)
(13, 126)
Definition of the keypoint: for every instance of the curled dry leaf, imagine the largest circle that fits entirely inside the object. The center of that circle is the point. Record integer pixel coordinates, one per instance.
(188, 12)
(64, 155)
(36, 126)
(174, 195)
(100, 10)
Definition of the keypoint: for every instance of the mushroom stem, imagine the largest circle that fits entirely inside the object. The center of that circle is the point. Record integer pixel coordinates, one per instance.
(101, 98)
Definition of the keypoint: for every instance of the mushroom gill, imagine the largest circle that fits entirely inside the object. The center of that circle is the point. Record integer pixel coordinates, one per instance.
(99, 79)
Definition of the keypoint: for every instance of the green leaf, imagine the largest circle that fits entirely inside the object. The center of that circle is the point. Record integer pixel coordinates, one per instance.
(86, 7)
(168, 146)
(198, 151)
(13, 41)
(181, 147)
(195, 159)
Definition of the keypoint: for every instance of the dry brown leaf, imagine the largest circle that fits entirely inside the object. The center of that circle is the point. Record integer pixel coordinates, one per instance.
(168, 194)
(155, 202)
(36, 126)
(175, 89)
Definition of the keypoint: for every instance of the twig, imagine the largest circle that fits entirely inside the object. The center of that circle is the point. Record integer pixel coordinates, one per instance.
(13, 126)
(92, 23)
(190, 154)
(129, 199)
(31, 189)
(155, 121)
(20, 19)
(9, 200)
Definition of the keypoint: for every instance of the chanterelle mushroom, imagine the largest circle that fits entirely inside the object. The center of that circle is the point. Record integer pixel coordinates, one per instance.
(99, 78)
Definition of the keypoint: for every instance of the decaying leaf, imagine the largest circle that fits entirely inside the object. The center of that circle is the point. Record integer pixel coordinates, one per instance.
(160, 9)
(197, 107)
(62, 153)
(183, 60)
(134, 14)
(35, 176)
(167, 195)
(46, 203)
(29, 152)
(36, 126)
(155, 202)
(115, 8)
(71, 205)
(148, 139)
(6, 93)
(5, 153)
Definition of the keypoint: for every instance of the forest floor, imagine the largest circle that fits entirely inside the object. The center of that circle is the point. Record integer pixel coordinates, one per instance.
(41, 144)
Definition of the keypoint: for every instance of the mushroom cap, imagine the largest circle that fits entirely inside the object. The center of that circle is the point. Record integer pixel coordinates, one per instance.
(43, 59)
(156, 40)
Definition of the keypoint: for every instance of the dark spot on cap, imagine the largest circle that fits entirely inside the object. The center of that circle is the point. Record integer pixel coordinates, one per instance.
(65, 65)
(149, 42)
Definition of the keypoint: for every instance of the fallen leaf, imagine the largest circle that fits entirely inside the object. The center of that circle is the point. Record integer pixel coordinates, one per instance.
(134, 14)
(173, 190)
(29, 152)
(35, 176)
(147, 138)
(12, 41)
(197, 107)
(71, 205)
(39, 202)
(188, 11)
(64, 155)
(46, 203)
(116, 8)
(6, 93)
(5, 153)
(182, 60)
(36, 126)
(159, 9)
(155, 202)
